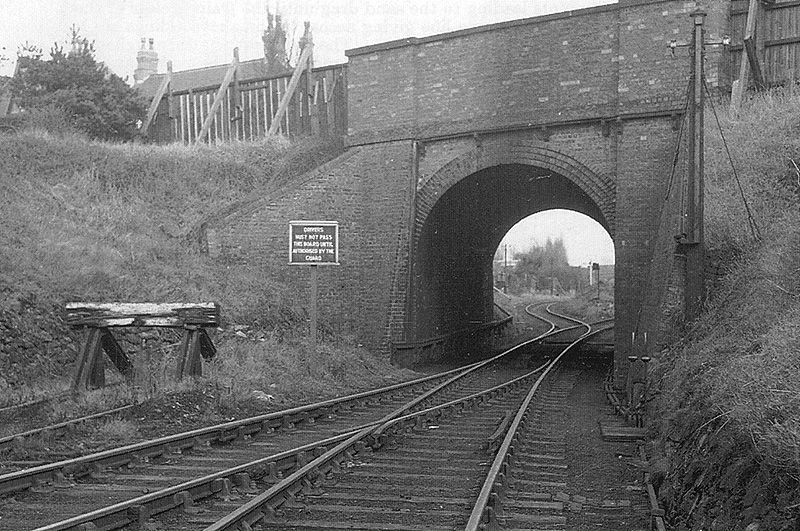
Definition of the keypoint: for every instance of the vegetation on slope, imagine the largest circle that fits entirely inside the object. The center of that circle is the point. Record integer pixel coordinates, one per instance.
(728, 394)
(95, 100)
(86, 220)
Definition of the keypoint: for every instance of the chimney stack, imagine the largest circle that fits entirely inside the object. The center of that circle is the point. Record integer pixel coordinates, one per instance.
(146, 61)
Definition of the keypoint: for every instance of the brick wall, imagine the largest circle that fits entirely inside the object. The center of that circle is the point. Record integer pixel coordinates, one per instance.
(367, 191)
(438, 128)
(591, 63)
(471, 191)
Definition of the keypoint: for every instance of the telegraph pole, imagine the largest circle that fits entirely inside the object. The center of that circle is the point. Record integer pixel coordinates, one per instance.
(695, 246)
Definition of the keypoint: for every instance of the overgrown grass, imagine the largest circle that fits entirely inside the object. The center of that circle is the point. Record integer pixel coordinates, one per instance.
(295, 373)
(763, 138)
(737, 366)
(84, 220)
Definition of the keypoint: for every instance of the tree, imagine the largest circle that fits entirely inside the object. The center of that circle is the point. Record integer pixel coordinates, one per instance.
(94, 100)
(541, 263)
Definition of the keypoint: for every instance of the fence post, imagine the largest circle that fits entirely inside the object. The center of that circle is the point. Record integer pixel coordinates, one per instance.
(223, 88)
(162, 88)
(287, 96)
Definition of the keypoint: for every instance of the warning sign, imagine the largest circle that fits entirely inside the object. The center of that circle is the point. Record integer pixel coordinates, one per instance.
(314, 242)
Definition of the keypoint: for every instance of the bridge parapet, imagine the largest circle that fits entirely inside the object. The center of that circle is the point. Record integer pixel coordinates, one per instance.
(597, 64)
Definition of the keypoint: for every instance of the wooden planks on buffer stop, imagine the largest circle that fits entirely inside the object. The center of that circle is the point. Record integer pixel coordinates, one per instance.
(194, 318)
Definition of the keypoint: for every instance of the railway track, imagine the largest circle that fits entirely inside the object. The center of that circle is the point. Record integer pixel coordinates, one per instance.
(129, 484)
(9, 440)
(545, 314)
(27, 408)
(421, 471)
(406, 457)
(543, 311)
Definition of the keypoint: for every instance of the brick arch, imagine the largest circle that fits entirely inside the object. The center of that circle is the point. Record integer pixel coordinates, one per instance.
(596, 184)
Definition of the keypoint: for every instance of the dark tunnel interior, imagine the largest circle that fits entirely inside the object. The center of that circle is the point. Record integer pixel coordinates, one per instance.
(452, 262)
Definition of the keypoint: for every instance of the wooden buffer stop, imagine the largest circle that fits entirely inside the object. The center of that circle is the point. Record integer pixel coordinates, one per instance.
(99, 318)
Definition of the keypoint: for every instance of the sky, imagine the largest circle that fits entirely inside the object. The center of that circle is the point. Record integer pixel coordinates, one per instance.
(196, 33)
(584, 239)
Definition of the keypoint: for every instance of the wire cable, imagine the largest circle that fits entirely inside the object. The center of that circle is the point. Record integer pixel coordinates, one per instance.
(670, 183)
(754, 230)
(678, 143)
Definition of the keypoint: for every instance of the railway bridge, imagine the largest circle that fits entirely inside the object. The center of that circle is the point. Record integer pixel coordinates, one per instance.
(454, 138)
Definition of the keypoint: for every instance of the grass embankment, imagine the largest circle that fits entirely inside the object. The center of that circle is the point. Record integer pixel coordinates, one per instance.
(727, 404)
(82, 220)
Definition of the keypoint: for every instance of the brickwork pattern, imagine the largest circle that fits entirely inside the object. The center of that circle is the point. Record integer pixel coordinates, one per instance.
(465, 205)
(366, 191)
(593, 63)
(592, 96)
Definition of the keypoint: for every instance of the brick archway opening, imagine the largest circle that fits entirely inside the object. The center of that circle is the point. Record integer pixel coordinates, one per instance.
(457, 234)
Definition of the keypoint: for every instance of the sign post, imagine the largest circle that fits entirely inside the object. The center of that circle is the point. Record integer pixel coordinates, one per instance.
(313, 243)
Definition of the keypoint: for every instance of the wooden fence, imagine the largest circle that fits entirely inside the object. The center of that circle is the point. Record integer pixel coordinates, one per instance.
(319, 104)
(777, 40)
(318, 107)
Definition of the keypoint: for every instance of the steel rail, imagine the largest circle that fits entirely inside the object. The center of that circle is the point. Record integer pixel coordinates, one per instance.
(196, 437)
(553, 340)
(32, 403)
(549, 310)
(554, 327)
(263, 508)
(528, 310)
(264, 505)
(482, 510)
(124, 513)
(44, 400)
(9, 439)
(23, 479)
(129, 511)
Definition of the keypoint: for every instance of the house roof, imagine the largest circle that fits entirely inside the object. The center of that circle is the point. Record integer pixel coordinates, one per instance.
(205, 77)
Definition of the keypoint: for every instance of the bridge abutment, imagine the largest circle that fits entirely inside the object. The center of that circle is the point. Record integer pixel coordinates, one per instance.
(454, 138)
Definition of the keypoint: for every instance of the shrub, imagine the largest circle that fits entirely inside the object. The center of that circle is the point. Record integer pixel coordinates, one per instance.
(93, 99)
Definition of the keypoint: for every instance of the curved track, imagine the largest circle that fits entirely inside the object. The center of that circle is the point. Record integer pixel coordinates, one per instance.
(543, 311)
(113, 488)
(427, 470)
(317, 466)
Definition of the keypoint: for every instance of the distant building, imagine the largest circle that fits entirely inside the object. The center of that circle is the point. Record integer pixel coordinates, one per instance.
(274, 63)
(146, 63)
(205, 77)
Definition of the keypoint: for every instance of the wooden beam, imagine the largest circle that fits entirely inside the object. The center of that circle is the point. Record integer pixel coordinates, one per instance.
(162, 88)
(207, 348)
(116, 354)
(170, 92)
(749, 57)
(236, 114)
(287, 96)
(220, 95)
(195, 345)
(142, 314)
(173, 126)
(755, 65)
(90, 366)
(86, 366)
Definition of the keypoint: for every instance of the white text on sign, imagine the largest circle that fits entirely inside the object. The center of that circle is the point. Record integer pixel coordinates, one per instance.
(313, 242)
